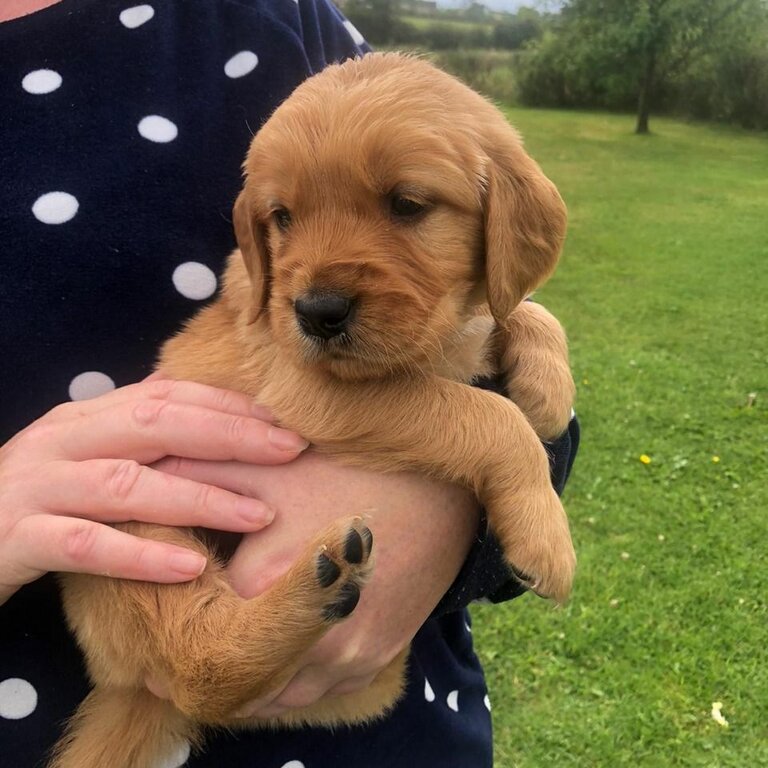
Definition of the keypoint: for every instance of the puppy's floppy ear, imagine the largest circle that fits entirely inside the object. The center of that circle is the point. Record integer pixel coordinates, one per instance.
(525, 220)
(251, 239)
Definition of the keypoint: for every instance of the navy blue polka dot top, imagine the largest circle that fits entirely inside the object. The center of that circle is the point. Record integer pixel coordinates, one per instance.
(123, 126)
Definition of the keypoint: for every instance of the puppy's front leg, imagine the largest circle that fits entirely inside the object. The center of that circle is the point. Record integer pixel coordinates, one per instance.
(533, 353)
(454, 432)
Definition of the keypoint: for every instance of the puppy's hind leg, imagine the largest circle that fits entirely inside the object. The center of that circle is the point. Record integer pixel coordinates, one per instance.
(237, 650)
(119, 728)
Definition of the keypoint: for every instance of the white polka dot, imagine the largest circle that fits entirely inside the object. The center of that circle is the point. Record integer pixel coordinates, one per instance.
(487, 702)
(158, 129)
(241, 64)
(55, 207)
(294, 764)
(452, 700)
(194, 280)
(429, 694)
(177, 758)
(357, 38)
(41, 81)
(467, 627)
(136, 16)
(90, 384)
(18, 698)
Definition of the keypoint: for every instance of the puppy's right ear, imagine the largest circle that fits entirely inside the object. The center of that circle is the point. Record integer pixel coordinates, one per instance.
(252, 241)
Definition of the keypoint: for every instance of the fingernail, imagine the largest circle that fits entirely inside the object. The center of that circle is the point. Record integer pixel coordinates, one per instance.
(187, 563)
(286, 440)
(244, 711)
(255, 511)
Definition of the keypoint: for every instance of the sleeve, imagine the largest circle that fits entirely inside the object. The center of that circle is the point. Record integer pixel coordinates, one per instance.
(485, 573)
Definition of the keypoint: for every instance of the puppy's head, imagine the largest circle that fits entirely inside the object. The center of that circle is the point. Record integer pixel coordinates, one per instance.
(383, 202)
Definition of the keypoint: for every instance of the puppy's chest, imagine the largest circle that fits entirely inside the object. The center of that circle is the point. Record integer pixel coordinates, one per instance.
(469, 355)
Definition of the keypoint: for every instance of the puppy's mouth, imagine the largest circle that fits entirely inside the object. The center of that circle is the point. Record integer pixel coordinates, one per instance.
(340, 347)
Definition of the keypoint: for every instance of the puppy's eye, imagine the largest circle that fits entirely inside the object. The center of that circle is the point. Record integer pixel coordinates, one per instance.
(282, 217)
(404, 207)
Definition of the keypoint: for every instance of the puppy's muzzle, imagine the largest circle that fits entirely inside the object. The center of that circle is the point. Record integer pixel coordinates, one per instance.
(323, 314)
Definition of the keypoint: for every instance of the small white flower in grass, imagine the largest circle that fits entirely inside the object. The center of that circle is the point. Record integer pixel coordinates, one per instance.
(614, 603)
(625, 555)
(717, 714)
(661, 537)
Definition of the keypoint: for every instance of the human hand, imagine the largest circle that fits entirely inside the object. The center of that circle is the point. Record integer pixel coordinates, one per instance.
(422, 533)
(83, 465)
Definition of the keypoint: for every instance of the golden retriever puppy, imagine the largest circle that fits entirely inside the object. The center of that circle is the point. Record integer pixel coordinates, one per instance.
(389, 228)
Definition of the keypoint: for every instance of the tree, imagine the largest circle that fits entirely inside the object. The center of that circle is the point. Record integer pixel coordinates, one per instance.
(669, 34)
(608, 49)
(514, 31)
(377, 20)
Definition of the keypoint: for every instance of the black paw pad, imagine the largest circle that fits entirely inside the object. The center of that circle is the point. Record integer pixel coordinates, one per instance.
(349, 595)
(353, 547)
(327, 570)
(367, 538)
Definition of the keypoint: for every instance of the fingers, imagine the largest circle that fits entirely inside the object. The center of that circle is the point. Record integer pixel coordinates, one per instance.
(308, 686)
(245, 479)
(118, 490)
(147, 430)
(160, 415)
(155, 387)
(351, 685)
(51, 543)
(81, 465)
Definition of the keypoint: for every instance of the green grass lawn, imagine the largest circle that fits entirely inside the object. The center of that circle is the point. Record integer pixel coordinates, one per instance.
(663, 289)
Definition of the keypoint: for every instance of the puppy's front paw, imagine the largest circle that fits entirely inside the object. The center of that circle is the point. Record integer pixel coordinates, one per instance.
(539, 547)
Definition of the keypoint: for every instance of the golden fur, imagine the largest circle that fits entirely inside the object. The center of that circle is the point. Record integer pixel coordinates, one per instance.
(391, 394)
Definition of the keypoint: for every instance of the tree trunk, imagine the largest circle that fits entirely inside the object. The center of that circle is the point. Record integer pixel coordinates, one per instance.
(646, 93)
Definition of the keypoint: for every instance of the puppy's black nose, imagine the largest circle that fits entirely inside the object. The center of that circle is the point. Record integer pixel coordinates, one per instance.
(323, 314)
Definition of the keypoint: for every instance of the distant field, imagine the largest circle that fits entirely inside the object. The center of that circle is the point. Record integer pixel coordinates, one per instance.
(663, 289)
(424, 22)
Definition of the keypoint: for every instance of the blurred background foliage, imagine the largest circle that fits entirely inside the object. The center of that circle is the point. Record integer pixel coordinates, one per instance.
(702, 59)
